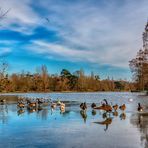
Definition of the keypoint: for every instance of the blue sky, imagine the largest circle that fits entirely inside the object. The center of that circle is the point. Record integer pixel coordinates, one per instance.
(96, 35)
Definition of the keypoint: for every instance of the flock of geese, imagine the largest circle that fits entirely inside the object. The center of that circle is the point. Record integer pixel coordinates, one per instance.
(37, 104)
(107, 107)
(108, 110)
(34, 104)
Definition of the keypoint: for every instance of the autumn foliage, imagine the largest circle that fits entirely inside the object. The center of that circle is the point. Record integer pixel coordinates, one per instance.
(42, 81)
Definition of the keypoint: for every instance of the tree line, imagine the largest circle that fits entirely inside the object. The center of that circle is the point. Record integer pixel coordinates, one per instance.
(42, 81)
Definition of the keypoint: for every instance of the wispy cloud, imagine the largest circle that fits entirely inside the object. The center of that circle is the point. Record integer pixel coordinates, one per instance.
(101, 32)
(21, 17)
(110, 31)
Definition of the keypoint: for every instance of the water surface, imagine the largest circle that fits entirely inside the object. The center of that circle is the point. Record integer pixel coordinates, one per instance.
(74, 128)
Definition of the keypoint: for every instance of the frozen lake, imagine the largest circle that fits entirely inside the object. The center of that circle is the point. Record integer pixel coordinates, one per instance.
(74, 129)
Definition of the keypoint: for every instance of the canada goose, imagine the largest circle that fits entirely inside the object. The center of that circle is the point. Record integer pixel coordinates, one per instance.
(107, 108)
(21, 105)
(93, 105)
(83, 106)
(115, 107)
(122, 107)
(105, 101)
(140, 108)
(31, 104)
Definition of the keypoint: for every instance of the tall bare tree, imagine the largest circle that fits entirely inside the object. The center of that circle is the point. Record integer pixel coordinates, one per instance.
(139, 65)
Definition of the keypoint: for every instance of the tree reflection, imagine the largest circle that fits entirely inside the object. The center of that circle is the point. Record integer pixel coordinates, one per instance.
(4, 113)
(141, 122)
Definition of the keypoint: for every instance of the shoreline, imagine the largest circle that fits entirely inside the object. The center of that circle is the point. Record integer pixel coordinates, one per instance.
(68, 92)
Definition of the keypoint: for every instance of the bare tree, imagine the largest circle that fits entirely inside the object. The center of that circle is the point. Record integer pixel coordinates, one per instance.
(139, 65)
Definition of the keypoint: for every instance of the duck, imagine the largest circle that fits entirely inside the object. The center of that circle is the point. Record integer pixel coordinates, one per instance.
(122, 107)
(140, 108)
(83, 106)
(115, 107)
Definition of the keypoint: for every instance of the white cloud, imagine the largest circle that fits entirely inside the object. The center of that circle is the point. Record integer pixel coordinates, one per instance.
(20, 17)
(61, 50)
(105, 33)
(109, 34)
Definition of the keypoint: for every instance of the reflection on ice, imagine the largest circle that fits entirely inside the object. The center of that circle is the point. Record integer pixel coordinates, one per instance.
(106, 122)
(44, 126)
(140, 120)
